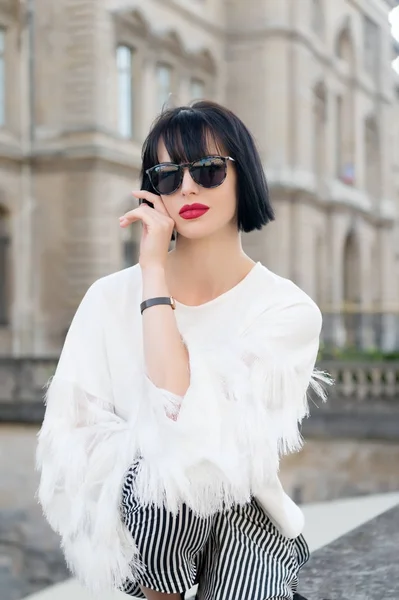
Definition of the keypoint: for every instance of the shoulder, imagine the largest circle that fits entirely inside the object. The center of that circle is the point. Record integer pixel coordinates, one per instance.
(116, 289)
(283, 302)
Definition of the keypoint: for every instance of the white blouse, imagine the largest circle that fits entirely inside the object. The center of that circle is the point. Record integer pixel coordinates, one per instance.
(252, 353)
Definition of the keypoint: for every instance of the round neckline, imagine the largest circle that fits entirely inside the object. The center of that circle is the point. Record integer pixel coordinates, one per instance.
(221, 297)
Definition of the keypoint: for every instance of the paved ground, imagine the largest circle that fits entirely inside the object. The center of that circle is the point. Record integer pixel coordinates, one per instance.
(325, 522)
(361, 565)
(30, 559)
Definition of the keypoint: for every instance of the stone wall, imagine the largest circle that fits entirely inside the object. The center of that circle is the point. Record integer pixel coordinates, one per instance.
(278, 64)
(360, 565)
(352, 448)
(30, 558)
(22, 388)
(362, 404)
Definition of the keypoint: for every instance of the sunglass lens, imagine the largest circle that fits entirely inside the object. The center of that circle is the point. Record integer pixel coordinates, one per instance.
(209, 172)
(166, 178)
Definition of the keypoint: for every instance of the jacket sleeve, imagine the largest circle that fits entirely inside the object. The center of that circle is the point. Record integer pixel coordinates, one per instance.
(83, 452)
(241, 413)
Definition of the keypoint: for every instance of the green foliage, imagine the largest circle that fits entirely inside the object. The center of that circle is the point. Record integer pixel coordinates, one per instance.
(355, 355)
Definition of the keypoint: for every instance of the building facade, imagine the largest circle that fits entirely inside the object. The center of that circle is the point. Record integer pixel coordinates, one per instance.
(81, 82)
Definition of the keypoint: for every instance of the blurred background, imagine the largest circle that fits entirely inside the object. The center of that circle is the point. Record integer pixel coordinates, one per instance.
(317, 82)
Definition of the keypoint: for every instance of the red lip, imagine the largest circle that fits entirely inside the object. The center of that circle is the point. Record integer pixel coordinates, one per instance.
(196, 206)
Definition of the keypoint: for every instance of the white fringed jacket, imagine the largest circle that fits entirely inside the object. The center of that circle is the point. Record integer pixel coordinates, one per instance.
(252, 354)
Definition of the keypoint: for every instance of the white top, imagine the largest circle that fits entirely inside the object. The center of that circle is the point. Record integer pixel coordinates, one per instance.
(252, 353)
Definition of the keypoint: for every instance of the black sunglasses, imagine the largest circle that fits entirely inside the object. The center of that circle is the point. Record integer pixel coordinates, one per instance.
(208, 172)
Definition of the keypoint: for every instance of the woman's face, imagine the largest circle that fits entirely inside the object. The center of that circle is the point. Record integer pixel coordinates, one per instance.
(221, 201)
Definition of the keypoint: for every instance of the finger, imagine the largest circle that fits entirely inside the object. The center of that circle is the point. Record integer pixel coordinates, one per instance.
(147, 215)
(142, 209)
(153, 198)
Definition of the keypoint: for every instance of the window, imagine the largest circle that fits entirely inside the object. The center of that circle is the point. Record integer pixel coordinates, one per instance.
(344, 46)
(2, 78)
(130, 252)
(317, 17)
(371, 46)
(164, 85)
(124, 61)
(130, 243)
(372, 158)
(319, 110)
(197, 89)
(345, 138)
(338, 134)
(4, 274)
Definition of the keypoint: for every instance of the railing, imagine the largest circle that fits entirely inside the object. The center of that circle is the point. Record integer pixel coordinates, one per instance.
(363, 380)
(22, 387)
(362, 405)
(361, 329)
(367, 386)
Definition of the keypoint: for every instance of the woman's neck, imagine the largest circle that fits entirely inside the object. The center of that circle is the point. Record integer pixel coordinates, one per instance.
(200, 270)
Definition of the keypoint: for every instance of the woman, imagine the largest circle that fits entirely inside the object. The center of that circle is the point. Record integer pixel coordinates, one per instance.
(181, 383)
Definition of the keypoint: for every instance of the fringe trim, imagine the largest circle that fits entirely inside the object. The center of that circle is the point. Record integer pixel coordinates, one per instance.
(240, 414)
(83, 453)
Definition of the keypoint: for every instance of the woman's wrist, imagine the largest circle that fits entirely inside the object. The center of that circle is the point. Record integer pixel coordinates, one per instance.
(154, 282)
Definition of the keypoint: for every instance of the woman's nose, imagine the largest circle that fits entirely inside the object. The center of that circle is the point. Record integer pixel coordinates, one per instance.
(188, 185)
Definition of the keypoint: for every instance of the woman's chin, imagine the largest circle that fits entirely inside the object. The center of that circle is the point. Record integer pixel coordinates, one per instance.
(193, 229)
(196, 231)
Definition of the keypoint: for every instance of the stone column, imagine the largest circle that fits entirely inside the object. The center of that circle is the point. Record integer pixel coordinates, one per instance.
(149, 93)
(335, 332)
(389, 292)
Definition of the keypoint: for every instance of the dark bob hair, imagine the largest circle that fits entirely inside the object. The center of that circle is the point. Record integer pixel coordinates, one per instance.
(186, 132)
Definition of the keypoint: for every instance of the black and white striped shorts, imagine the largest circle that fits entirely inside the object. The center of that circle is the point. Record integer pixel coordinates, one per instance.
(237, 554)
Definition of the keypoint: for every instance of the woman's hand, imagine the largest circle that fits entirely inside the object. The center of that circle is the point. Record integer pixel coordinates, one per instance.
(157, 229)
(165, 355)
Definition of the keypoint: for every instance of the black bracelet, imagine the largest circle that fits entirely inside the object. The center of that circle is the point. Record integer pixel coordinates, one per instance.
(154, 301)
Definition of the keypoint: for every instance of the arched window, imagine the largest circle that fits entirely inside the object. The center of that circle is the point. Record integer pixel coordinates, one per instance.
(375, 288)
(372, 158)
(345, 111)
(319, 115)
(197, 89)
(124, 60)
(319, 288)
(371, 47)
(4, 266)
(318, 17)
(2, 77)
(351, 289)
(131, 245)
(164, 80)
(344, 45)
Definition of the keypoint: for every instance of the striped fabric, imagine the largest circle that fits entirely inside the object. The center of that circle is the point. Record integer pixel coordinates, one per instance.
(237, 554)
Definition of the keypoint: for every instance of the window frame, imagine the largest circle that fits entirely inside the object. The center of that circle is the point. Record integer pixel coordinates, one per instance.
(320, 107)
(372, 161)
(127, 70)
(5, 243)
(318, 18)
(167, 67)
(3, 79)
(371, 46)
(197, 80)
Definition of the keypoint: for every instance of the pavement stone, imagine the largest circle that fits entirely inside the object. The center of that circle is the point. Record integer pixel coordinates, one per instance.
(30, 557)
(361, 565)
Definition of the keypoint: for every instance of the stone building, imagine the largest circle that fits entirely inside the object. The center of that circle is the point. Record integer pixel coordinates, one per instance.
(80, 83)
